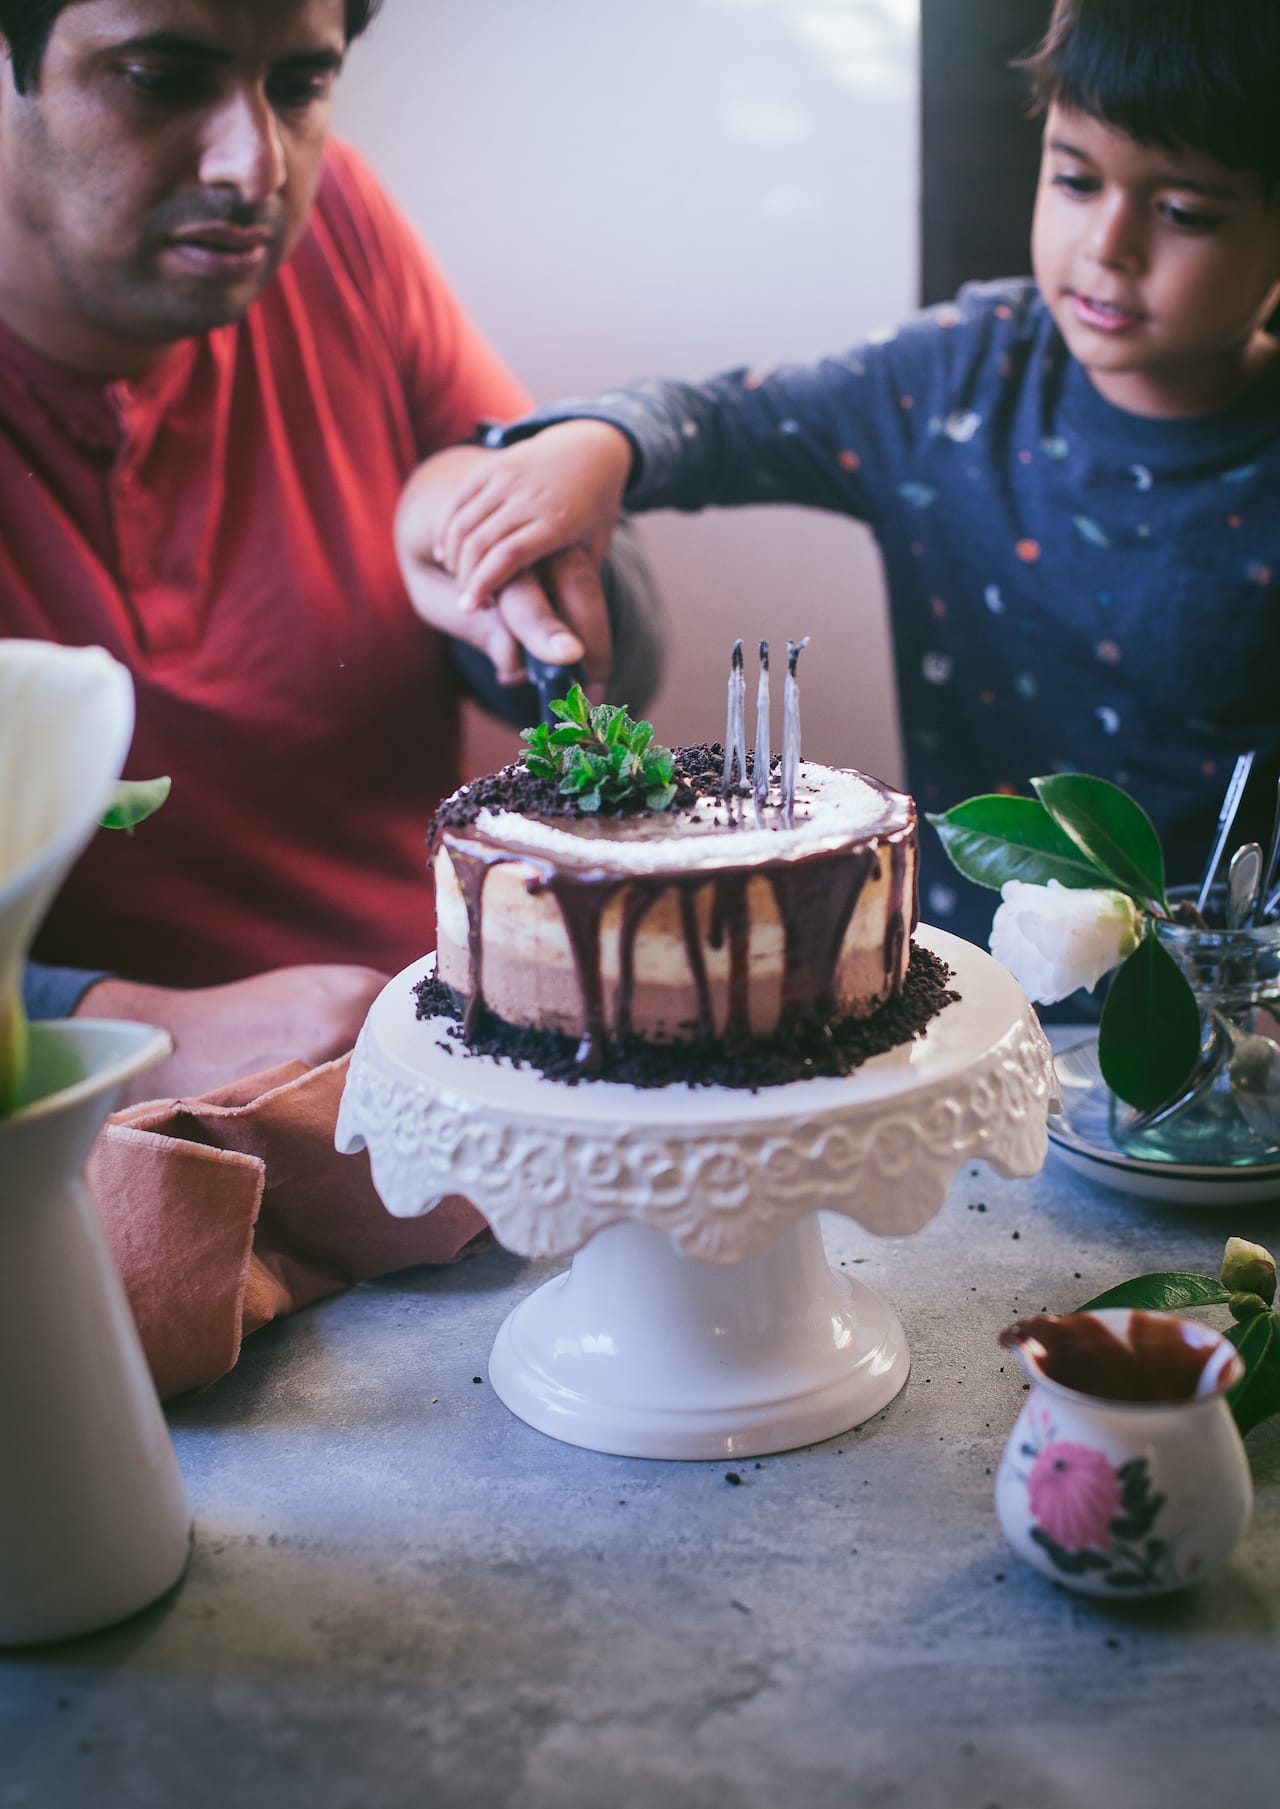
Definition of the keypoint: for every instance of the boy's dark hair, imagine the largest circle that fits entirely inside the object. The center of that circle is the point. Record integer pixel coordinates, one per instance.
(1204, 74)
(26, 25)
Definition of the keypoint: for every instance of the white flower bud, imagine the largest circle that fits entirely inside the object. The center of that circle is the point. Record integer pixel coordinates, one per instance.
(1056, 938)
(1249, 1269)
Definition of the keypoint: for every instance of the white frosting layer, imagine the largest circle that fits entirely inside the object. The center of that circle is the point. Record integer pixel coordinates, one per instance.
(832, 807)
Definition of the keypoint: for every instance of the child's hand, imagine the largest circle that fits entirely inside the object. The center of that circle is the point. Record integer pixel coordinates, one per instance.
(558, 491)
(557, 612)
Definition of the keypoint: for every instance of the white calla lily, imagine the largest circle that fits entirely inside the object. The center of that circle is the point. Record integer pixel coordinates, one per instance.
(66, 720)
(1056, 939)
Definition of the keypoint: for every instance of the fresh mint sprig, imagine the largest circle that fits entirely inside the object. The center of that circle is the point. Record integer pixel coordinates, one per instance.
(600, 757)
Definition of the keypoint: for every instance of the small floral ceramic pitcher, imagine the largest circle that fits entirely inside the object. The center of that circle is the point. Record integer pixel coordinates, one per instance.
(1124, 1475)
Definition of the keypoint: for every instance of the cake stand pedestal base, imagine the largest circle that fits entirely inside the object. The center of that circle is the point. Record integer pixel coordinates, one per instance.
(642, 1352)
(700, 1317)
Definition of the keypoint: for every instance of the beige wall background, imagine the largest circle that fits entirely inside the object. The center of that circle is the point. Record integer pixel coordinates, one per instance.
(671, 188)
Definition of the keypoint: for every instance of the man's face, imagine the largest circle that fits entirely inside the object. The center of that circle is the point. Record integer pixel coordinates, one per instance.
(1159, 266)
(160, 169)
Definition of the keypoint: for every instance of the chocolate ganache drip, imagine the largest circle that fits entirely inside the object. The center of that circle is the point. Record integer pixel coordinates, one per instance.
(582, 898)
(897, 927)
(472, 862)
(817, 896)
(730, 920)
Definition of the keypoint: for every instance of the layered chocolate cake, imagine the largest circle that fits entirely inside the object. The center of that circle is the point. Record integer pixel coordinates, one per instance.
(710, 940)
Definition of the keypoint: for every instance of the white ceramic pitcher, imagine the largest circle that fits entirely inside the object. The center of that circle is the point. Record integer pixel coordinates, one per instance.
(1124, 1475)
(94, 1521)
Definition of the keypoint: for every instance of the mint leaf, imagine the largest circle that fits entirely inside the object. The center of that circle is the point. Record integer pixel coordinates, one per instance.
(1149, 1037)
(573, 708)
(609, 723)
(133, 801)
(1166, 1291)
(1257, 1395)
(993, 838)
(600, 757)
(1112, 830)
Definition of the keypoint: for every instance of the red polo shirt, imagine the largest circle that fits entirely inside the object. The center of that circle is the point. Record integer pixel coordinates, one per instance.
(224, 527)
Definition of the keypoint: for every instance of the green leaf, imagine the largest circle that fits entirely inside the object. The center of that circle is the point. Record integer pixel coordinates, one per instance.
(1074, 1563)
(573, 708)
(1166, 1291)
(1139, 1507)
(1257, 1395)
(600, 756)
(660, 764)
(133, 801)
(1112, 830)
(1149, 1037)
(580, 778)
(991, 839)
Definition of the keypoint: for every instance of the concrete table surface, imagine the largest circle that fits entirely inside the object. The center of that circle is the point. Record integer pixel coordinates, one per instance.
(400, 1596)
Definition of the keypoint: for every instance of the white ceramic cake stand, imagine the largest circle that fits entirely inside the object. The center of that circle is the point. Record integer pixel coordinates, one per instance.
(700, 1317)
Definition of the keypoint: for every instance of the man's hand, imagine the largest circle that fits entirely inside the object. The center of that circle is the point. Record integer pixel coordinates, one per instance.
(223, 1033)
(524, 531)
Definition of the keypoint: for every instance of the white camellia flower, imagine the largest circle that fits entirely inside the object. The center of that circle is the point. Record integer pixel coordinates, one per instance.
(1056, 938)
(66, 718)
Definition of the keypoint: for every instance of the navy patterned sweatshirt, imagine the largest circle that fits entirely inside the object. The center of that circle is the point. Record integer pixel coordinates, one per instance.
(1072, 588)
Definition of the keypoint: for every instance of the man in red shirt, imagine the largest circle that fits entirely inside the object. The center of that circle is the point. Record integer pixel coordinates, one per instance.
(222, 356)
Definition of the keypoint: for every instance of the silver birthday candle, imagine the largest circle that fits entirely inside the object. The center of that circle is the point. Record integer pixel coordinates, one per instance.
(760, 769)
(791, 730)
(735, 733)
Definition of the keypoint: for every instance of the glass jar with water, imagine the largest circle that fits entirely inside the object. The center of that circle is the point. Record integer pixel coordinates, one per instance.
(1228, 1112)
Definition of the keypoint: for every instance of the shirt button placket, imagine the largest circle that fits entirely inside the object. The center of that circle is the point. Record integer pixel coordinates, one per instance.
(162, 613)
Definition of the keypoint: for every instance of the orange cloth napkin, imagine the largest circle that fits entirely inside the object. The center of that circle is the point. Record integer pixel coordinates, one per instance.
(226, 1211)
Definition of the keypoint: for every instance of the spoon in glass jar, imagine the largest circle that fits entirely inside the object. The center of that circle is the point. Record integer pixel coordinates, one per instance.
(1226, 817)
(1268, 893)
(1244, 876)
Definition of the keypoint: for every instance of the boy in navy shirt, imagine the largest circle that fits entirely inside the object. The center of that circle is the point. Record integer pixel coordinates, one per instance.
(1074, 481)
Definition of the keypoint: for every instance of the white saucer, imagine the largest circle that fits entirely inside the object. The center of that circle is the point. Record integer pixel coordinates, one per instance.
(1081, 1136)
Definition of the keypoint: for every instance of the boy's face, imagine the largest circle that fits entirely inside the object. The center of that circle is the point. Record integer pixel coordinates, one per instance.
(160, 169)
(1158, 266)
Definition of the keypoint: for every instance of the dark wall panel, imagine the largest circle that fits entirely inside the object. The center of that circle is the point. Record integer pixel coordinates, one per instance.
(979, 151)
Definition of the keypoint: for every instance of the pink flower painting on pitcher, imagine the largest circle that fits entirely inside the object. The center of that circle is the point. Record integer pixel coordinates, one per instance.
(1090, 1516)
(1074, 1494)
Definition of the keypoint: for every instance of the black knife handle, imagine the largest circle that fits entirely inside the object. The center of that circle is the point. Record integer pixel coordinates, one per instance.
(551, 682)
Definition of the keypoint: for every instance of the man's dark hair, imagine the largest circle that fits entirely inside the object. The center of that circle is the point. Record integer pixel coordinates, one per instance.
(26, 25)
(1204, 74)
